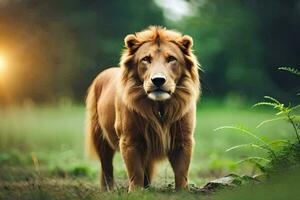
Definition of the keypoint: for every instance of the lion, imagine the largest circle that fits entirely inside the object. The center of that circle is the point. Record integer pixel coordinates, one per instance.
(146, 108)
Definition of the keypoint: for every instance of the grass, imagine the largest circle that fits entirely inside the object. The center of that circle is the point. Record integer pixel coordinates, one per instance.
(42, 157)
(284, 185)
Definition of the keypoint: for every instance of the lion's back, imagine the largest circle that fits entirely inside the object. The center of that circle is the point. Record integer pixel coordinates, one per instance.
(106, 87)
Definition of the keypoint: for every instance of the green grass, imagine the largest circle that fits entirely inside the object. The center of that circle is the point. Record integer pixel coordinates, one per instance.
(42, 156)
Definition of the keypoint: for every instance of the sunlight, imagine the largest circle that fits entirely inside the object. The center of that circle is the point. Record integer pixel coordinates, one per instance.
(2, 63)
(175, 10)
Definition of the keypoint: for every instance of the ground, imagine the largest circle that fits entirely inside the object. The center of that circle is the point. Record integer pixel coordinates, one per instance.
(42, 152)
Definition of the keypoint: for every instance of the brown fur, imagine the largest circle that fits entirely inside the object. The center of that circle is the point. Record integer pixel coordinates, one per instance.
(120, 116)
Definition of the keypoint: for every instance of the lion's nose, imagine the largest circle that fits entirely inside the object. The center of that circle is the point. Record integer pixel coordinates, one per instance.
(158, 80)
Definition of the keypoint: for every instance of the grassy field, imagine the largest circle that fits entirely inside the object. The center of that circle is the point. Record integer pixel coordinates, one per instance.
(42, 156)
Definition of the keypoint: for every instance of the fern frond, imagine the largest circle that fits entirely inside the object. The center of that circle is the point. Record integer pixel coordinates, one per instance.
(272, 99)
(275, 104)
(291, 70)
(296, 118)
(270, 120)
(265, 104)
(280, 113)
(279, 142)
(253, 159)
(295, 107)
(244, 131)
(261, 147)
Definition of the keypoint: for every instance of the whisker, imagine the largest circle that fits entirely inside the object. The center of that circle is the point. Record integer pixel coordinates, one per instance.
(138, 86)
(182, 87)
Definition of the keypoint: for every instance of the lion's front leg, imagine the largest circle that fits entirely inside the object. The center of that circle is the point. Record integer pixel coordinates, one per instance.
(132, 156)
(180, 158)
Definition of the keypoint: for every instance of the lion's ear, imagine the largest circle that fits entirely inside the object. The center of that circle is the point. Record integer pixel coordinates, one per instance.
(186, 42)
(131, 42)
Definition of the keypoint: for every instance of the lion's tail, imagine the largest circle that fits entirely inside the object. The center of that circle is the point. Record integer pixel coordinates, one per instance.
(92, 123)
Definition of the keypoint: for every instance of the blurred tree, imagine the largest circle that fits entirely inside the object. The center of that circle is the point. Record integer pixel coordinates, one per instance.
(242, 43)
(278, 27)
(58, 47)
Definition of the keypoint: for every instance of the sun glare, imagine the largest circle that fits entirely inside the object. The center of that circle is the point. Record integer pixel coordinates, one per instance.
(2, 63)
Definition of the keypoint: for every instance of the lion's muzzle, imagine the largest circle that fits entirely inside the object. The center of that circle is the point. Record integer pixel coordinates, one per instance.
(157, 91)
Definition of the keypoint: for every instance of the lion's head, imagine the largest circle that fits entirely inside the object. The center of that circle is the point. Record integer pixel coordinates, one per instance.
(158, 65)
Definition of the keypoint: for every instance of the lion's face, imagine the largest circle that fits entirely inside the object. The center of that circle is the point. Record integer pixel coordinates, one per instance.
(159, 63)
(159, 68)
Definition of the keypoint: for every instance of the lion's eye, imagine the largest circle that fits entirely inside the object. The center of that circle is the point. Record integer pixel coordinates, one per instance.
(146, 59)
(171, 59)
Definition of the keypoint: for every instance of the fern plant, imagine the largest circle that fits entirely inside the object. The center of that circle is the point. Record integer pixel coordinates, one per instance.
(284, 112)
(291, 70)
(259, 144)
